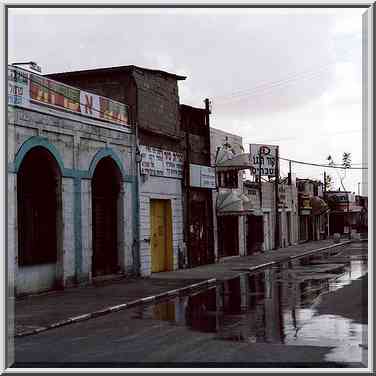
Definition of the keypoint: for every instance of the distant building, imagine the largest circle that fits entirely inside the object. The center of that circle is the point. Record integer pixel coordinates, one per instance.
(287, 211)
(313, 210)
(348, 212)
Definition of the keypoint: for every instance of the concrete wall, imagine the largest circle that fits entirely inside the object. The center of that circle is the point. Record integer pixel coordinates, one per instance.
(153, 187)
(77, 145)
(268, 202)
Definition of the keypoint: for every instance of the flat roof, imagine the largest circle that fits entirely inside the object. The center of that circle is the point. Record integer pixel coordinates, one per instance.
(117, 69)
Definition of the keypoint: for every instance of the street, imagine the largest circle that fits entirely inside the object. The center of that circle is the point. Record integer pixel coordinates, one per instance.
(311, 312)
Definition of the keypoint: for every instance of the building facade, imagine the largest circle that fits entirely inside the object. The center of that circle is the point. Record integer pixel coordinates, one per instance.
(313, 210)
(348, 212)
(71, 184)
(153, 99)
(260, 232)
(228, 226)
(198, 185)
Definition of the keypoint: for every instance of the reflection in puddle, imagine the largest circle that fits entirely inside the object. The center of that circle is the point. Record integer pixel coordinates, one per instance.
(275, 305)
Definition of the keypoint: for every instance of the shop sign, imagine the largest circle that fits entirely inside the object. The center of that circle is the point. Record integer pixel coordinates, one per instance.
(341, 197)
(305, 204)
(158, 162)
(202, 176)
(18, 87)
(26, 89)
(262, 159)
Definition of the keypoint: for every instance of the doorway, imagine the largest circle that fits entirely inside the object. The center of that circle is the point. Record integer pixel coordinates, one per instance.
(255, 234)
(228, 235)
(161, 236)
(105, 196)
(39, 214)
(288, 219)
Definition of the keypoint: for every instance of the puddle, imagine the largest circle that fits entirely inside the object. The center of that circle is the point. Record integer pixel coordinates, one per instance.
(276, 305)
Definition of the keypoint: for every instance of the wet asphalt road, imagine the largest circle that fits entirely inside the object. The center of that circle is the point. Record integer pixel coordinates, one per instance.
(282, 317)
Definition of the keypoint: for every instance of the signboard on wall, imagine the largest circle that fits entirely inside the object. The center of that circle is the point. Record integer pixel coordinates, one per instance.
(282, 197)
(25, 89)
(159, 162)
(264, 157)
(202, 176)
(18, 87)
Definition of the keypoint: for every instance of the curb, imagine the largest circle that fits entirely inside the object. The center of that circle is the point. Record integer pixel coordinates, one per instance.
(167, 294)
(119, 307)
(290, 258)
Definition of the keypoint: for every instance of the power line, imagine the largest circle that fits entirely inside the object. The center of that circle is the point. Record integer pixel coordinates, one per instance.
(288, 78)
(268, 90)
(323, 165)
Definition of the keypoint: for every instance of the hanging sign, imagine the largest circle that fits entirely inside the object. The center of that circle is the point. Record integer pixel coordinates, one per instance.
(262, 159)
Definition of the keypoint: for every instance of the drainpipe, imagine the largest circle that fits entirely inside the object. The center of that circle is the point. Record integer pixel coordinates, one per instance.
(136, 201)
(136, 248)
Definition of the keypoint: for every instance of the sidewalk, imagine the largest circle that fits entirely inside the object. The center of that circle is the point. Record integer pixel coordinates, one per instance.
(38, 313)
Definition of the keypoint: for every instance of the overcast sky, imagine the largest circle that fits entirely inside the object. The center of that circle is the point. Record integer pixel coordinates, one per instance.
(286, 77)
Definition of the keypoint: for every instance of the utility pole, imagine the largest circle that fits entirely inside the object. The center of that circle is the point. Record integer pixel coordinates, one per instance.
(260, 185)
(211, 219)
(276, 230)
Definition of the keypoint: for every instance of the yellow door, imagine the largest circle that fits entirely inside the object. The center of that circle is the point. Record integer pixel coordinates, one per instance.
(161, 235)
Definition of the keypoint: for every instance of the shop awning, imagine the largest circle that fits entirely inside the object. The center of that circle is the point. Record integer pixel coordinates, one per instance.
(233, 203)
(319, 206)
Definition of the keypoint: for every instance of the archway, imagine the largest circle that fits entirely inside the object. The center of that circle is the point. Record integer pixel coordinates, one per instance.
(106, 184)
(39, 208)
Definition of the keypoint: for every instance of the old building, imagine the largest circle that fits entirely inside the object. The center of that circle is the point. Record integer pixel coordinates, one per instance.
(229, 203)
(260, 233)
(199, 183)
(152, 96)
(71, 184)
(313, 210)
(348, 212)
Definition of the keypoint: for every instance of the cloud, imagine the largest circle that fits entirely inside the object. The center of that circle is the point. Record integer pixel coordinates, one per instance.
(271, 74)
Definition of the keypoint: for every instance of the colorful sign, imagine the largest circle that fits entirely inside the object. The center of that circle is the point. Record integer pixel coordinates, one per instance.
(202, 176)
(158, 162)
(305, 204)
(26, 89)
(262, 159)
(54, 93)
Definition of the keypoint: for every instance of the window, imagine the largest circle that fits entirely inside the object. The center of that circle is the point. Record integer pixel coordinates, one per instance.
(228, 179)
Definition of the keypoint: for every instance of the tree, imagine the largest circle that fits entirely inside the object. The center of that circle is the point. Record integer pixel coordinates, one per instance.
(346, 163)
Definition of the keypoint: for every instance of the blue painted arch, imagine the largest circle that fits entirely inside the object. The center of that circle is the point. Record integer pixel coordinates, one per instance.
(104, 153)
(33, 142)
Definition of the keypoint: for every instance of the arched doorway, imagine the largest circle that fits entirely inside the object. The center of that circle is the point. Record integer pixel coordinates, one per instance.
(39, 210)
(105, 196)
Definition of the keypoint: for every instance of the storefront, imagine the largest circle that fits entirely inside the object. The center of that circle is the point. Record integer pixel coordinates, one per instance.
(70, 184)
(161, 219)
